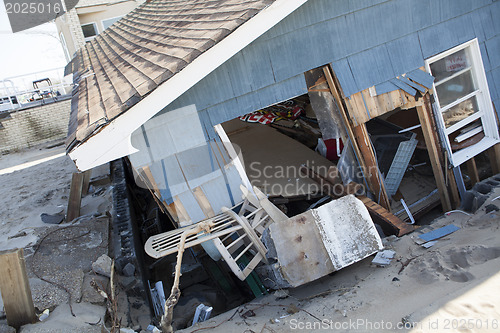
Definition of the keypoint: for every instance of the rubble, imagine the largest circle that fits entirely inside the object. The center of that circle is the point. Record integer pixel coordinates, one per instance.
(128, 270)
(102, 265)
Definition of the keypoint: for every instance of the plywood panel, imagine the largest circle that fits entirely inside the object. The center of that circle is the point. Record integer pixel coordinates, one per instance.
(272, 160)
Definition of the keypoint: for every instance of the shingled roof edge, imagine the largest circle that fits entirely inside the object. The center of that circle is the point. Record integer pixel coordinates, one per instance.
(112, 141)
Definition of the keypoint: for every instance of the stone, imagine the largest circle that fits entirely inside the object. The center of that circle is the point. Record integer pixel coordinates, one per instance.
(7, 329)
(89, 293)
(129, 269)
(482, 188)
(491, 208)
(127, 282)
(102, 265)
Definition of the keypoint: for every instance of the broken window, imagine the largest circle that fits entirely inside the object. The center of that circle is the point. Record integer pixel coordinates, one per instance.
(465, 113)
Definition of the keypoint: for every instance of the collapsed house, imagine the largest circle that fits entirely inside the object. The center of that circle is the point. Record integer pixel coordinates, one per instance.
(286, 127)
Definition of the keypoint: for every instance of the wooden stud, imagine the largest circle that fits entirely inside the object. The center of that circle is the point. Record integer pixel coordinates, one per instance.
(75, 196)
(432, 149)
(203, 202)
(363, 149)
(373, 108)
(182, 213)
(147, 177)
(472, 170)
(455, 196)
(386, 217)
(494, 154)
(15, 288)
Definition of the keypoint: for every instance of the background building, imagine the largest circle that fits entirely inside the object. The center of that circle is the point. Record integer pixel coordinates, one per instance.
(88, 19)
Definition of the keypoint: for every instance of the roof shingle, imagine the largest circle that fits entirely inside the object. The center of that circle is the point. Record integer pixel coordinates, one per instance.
(151, 44)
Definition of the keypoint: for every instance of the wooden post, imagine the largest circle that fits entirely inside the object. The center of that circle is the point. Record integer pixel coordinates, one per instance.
(472, 170)
(455, 196)
(362, 146)
(432, 149)
(494, 154)
(15, 288)
(86, 181)
(75, 196)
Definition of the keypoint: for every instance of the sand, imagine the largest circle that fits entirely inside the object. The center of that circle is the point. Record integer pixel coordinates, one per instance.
(38, 181)
(453, 286)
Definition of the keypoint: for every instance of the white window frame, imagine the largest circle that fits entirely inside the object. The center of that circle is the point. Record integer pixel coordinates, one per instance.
(486, 111)
(95, 28)
(65, 47)
(108, 19)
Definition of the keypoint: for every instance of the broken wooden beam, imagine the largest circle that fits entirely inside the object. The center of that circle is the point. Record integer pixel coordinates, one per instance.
(15, 289)
(361, 144)
(389, 222)
(386, 219)
(86, 182)
(432, 148)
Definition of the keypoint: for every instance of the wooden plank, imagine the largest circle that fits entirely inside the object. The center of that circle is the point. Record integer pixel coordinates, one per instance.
(494, 154)
(380, 214)
(147, 177)
(181, 211)
(472, 170)
(359, 108)
(270, 169)
(371, 103)
(362, 149)
(455, 196)
(86, 182)
(15, 289)
(75, 196)
(432, 149)
(203, 202)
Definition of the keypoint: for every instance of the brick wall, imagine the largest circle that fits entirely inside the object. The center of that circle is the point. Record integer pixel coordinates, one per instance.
(33, 126)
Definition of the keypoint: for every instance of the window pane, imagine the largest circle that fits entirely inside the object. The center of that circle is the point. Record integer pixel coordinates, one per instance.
(89, 30)
(451, 64)
(460, 112)
(455, 88)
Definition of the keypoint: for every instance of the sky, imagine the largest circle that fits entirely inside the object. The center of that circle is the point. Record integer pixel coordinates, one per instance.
(28, 51)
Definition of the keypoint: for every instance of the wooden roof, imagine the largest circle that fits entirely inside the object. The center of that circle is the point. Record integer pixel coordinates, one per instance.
(135, 55)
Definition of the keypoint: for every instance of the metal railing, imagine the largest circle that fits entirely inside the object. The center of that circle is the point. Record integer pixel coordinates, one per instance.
(27, 90)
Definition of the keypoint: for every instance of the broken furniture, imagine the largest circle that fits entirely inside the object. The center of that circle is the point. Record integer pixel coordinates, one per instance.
(332, 186)
(318, 242)
(229, 232)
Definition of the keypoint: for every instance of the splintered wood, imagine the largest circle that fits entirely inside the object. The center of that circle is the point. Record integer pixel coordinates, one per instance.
(380, 214)
(332, 186)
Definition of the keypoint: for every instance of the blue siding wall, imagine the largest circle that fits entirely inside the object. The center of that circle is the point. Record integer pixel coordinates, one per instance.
(368, 42)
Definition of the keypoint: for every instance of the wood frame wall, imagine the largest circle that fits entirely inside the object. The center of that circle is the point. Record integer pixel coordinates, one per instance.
(359, 108)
